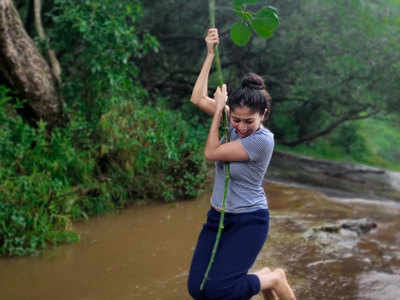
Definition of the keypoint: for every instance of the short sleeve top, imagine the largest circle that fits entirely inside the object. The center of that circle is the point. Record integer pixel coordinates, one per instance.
(245, 191)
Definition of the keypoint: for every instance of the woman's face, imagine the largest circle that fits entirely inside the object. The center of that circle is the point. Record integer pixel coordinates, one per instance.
(245, 121)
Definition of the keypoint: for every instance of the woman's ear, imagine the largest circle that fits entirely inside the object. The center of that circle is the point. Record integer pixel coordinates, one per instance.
(264, 114)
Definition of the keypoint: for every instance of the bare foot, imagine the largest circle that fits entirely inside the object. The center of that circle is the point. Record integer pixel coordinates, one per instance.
(268, 294)
(282, 287)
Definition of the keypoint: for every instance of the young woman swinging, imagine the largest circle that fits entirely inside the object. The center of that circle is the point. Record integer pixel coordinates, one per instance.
(246, 220)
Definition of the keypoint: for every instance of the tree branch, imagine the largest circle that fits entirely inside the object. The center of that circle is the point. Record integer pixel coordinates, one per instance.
(348, 117)
(55, 65)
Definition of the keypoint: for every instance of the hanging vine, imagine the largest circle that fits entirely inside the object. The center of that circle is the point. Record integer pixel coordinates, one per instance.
(263, 22)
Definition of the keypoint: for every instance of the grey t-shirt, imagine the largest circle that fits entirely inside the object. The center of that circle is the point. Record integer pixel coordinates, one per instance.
(245, 191)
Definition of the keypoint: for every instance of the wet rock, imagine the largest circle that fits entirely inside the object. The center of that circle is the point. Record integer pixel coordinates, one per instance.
(377, 285)
(360, 226)
(353, 179)
(346, 227)
(341, 236)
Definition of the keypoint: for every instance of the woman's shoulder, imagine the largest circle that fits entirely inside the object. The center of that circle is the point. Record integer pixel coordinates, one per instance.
(265, 133)
(264, 138)
(259, 144)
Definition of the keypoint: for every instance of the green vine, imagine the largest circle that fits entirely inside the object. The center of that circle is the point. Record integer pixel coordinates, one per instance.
(263, 22)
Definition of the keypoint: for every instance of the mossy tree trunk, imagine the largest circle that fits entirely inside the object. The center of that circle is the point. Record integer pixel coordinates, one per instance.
(26, 71)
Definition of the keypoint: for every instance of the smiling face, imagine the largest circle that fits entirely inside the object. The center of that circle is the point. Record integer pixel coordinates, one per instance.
(245, 121)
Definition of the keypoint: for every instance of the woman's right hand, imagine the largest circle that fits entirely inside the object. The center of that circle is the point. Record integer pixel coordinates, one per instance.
(212, 39)
(220, 97)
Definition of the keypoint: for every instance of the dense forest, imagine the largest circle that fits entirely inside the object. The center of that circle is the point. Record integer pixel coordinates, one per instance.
(95, 111)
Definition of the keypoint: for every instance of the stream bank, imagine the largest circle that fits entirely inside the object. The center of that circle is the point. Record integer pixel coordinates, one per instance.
(353, 180)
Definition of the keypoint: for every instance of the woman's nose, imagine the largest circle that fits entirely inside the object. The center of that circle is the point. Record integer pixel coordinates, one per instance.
(242, 126)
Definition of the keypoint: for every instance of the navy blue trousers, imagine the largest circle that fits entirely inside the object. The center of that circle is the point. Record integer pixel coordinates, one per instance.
(242, 238)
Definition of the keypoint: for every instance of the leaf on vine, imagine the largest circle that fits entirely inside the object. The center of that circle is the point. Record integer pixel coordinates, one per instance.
(238, 4)
(274, 9)
(265, 22)
(240, 33)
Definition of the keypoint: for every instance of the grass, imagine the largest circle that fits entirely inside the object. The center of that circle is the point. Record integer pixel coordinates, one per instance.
(377, 144)
(382, 139)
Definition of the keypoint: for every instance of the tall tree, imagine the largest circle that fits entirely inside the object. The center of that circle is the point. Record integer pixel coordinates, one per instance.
(329, 63)
(26, 71)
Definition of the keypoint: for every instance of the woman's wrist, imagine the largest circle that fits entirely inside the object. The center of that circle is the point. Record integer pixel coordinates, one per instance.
(210, 54)
(219, 110)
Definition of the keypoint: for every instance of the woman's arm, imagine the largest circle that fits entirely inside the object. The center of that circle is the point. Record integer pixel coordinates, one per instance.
(200, 91)
(232, 151)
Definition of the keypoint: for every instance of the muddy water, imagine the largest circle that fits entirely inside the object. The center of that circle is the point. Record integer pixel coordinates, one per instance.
(145, 252)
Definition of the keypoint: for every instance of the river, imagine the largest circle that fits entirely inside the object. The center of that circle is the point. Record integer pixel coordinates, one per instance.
(144, 252)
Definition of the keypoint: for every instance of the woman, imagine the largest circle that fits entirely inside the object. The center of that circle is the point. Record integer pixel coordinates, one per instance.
(247, 217)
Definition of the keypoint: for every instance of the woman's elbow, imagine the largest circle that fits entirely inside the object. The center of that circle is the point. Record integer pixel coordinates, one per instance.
(211, 155)
(194, 100)
(208, 155)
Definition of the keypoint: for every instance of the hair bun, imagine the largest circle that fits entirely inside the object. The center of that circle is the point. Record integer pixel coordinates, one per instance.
(253, 81)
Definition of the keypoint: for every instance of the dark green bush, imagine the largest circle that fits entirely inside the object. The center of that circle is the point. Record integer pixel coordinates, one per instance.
(350, 139)
(152, 152)
(104, 44)
(136, 152)
(37, 175)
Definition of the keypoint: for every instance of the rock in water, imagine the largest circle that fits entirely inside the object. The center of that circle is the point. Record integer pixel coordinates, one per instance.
(360, 226)
(341, 236)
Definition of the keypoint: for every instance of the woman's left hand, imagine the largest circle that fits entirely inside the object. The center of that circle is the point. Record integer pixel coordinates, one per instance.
(220, 97)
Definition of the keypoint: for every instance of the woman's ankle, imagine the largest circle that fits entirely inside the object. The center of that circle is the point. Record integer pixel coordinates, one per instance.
(282, 286)
(268, 279)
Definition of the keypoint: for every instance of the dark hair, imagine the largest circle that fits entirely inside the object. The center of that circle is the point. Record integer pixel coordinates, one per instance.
(251, 93)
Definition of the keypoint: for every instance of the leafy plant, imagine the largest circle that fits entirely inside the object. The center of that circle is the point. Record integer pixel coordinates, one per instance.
(151, 153)
(264, 22)
(103, 44)
(37, 175)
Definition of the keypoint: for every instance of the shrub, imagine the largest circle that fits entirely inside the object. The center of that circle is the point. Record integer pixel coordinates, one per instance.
(104, 44)
(37, 174)
(46, 181)
(152, 152)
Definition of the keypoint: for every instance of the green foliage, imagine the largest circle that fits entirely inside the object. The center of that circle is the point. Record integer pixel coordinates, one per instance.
(36, 177)
(240, 33)
(350, 140)
(329, 61)
(46, 181)
(152, 152)
(113, 152)
(372, 142)
(329, 46)
(103, 45)
(240, 4)
(264, 22)
(382, 139)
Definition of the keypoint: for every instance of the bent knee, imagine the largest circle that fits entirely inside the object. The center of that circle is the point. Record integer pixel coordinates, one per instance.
(208, 293)
(194, 289)
(218, 291)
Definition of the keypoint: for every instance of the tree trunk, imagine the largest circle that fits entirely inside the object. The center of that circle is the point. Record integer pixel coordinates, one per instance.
(26, 71)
